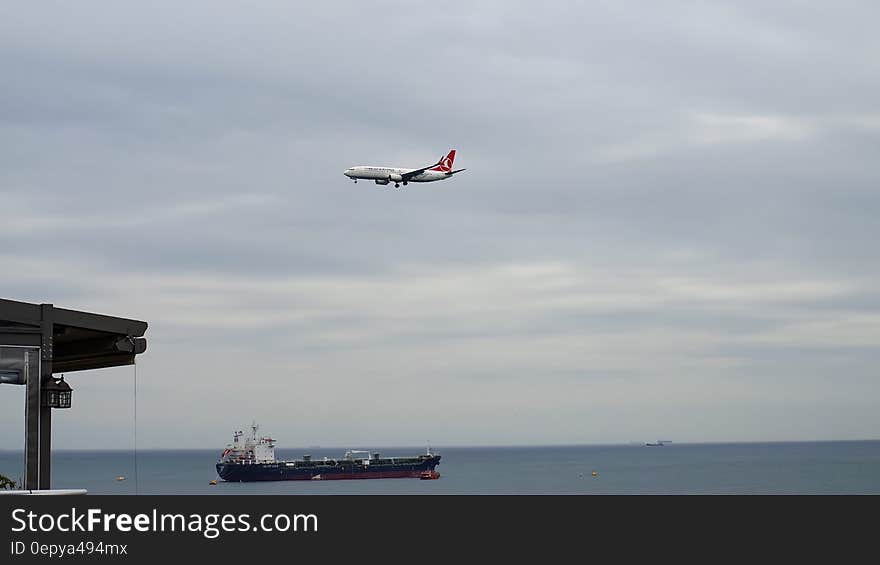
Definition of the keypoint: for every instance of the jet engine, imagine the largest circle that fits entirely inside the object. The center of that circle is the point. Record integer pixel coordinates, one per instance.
(395, 177)
(382, 181)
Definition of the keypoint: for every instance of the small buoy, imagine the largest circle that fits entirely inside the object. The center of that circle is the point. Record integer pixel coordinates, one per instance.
(212, 482)
(120, 478)
(595, 474)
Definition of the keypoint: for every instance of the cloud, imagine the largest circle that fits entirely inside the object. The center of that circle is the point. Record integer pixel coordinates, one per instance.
(705, 130)
(701, 130)
(669, 213)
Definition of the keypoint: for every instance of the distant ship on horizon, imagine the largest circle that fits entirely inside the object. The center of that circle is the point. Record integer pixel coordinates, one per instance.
(658, 443)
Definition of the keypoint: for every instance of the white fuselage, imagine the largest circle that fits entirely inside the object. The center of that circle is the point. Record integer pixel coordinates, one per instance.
(393, 174)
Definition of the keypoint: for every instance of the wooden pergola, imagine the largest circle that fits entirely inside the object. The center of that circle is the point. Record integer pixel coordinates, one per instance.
(68, 341)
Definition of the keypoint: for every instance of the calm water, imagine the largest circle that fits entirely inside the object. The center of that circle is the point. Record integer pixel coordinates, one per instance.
(732, 468)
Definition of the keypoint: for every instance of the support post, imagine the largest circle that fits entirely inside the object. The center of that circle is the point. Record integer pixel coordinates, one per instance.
(38, 420)
(32, 431)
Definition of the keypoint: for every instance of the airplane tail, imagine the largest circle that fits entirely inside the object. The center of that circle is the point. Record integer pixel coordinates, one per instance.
(444, 165)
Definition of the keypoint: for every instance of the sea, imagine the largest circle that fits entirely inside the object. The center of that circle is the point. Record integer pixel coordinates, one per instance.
(795, 468)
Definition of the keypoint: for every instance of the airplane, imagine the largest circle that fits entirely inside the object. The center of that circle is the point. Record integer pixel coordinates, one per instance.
(441, 170)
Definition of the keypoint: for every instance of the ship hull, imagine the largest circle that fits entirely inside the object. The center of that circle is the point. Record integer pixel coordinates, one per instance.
(286, 471)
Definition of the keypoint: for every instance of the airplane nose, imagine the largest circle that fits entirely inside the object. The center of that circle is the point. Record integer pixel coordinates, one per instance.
(347, 172)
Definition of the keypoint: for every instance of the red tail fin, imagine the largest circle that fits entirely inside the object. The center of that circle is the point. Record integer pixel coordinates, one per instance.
(445, 164)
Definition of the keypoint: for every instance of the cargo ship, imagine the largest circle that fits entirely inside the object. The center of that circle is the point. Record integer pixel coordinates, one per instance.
(252, 458)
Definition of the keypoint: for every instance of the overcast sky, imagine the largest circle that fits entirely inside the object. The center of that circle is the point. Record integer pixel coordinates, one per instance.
(667, 227)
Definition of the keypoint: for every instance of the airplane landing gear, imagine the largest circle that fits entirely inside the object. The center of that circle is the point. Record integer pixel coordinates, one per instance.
(396, 185)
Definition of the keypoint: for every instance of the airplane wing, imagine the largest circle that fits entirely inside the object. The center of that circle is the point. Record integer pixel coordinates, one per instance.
(416, 172)
(450, 173)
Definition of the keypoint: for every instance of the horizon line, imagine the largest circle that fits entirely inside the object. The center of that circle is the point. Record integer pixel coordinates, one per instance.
(475, 446)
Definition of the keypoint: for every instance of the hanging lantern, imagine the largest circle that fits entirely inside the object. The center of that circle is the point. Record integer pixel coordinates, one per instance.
(56, 393)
